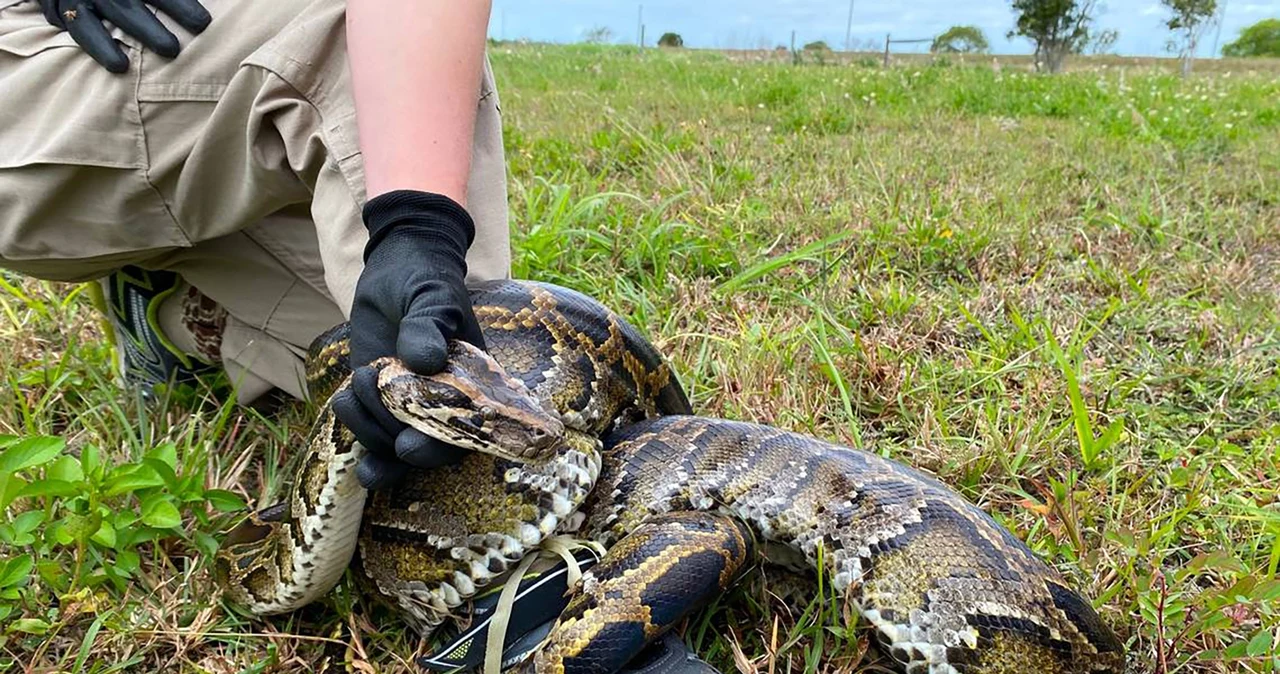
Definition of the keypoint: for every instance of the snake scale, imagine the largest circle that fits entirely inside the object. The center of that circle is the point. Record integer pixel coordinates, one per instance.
(579, 426)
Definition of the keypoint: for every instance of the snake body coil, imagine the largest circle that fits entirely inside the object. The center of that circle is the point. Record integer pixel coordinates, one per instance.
(579, 426)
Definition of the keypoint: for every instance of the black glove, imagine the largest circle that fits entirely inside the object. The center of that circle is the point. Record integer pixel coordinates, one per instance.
(83, 19)
(410, 299)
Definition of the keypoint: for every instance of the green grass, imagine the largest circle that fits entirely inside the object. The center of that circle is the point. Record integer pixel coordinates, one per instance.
(1058, 294)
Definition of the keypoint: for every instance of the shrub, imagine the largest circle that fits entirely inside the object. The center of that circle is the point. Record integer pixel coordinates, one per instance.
(960, 40)
(1260, 39)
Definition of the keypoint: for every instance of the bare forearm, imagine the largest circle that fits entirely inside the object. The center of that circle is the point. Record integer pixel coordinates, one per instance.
(416, 76)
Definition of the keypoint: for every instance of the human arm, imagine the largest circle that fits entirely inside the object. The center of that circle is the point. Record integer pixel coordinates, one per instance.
(415, 78)
(415, 81)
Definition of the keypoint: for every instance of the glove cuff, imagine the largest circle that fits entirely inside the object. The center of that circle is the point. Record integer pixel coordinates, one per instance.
(427, 214)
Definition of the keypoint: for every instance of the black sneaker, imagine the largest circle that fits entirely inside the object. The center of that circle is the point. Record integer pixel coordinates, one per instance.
(668, 655)
(539, 601)
(144, 356)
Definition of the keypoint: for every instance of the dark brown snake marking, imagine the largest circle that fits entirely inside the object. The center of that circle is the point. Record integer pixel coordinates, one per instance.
(680, 501)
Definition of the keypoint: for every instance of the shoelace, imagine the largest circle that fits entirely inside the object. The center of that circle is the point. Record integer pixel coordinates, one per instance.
(562, 546)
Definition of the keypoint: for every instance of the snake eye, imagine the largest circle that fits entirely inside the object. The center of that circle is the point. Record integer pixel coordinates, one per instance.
(488, 413)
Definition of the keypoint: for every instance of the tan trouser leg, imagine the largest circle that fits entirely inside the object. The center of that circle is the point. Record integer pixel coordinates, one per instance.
(270, 281)
(236, 164)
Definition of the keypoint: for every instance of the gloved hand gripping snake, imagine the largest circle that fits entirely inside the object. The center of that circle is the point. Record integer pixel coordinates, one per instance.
(578, 426)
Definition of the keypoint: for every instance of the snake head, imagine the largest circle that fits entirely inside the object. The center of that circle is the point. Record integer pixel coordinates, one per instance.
(474, 404)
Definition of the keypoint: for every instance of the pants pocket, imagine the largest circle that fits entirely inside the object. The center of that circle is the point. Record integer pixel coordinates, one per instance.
(73, 179)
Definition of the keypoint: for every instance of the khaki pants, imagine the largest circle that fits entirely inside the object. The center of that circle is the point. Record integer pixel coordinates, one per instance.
(236, 165)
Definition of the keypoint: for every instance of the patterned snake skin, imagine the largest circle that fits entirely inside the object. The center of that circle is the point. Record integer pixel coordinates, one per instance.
(579, 427)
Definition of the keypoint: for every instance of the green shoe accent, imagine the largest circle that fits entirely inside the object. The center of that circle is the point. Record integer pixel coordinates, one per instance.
(131, 303)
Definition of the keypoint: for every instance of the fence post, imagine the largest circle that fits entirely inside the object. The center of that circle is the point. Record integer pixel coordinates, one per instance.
(886, 50)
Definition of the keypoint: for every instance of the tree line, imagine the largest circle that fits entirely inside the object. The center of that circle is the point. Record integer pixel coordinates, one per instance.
(1059, 28)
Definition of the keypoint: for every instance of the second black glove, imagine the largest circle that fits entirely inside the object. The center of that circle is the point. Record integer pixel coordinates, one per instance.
(83, 19)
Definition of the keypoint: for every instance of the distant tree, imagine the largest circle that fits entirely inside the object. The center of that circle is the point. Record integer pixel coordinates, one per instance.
(598, 35)
(1190, 18)
(960, 40)
(1056, 27)
(1103, 42)
(670, 40)
(817, 50)
(1260, 39)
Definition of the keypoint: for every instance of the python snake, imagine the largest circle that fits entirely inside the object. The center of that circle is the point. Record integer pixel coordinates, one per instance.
(579, 426)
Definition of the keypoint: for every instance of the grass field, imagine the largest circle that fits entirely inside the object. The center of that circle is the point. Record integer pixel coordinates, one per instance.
(1058, 294)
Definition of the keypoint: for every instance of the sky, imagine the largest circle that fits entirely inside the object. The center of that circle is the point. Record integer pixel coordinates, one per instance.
(751, 24)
